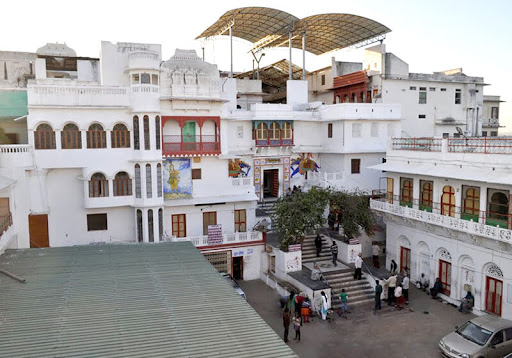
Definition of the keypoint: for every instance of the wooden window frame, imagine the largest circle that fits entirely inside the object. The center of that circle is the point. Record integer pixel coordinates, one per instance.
(96, 138)
(147, 136)
(122, 185)
(176, 232)
(261, 131)
(97, 222)
(71, 138)
(98, 188)
(426, 195)
(274, 132)
(136, 133)
(451, 202)
(44, 137)
(196, 174)
(120, 138)
(329, 130)
(149, 181)
(406, 192)
(210, 214)
(240, 225)
(355, 166)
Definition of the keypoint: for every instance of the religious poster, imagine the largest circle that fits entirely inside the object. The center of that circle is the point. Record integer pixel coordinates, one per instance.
(303, 164)
(177, 179)
(238, 168)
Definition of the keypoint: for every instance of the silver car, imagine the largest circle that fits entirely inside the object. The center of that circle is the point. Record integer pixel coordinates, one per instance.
(482, 337)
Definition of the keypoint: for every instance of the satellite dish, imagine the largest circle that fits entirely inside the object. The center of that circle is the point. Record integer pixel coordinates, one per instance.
(459, 130)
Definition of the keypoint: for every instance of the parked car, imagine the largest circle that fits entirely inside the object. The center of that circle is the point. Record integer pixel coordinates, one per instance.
(235, 284)
(482, 337)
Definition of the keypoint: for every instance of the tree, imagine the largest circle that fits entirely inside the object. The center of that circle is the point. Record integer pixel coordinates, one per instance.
(355, 212)
(298, 214)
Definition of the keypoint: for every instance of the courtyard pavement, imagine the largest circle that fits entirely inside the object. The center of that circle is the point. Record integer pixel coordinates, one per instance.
(412, 332)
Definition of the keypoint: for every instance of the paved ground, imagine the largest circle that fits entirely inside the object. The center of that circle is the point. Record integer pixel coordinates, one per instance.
(389, 333)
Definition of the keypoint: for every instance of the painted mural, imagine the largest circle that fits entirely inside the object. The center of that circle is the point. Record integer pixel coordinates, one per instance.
(303, 164)
(177, 178)
(238, 168)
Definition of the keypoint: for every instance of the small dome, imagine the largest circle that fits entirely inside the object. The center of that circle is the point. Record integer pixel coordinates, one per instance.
(187, 60)
(56, 49)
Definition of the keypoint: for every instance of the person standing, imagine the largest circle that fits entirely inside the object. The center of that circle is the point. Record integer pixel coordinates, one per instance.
(324, 307)
(375, 255)
(299, 299)
(358, 264)
(334, 252)
(318, 245)
(343, 299)
(405, 288)
(399, 298)
(286, 323)
(394, 267)
(305, 310)
(296, 326)
(391, 289)
(378, 293)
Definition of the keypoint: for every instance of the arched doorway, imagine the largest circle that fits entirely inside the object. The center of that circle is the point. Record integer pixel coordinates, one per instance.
(405, 254)
(445, 271)
(424, 260)
(466, 275)
(493, 289)
(448, 201)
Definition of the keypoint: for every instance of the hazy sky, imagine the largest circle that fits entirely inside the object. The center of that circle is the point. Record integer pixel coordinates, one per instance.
(429, 35)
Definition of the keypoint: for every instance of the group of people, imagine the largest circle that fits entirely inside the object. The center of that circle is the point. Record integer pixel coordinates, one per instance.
(334, 249)
(397, 291)
(298, 306)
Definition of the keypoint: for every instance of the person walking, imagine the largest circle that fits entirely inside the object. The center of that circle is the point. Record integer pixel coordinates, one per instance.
(334, 252)
(358, 264)
(405, 288)
(296, 326)
(343, 299)
(393, 268)
(399, 298)
(391, 289)
(324, 307)
(286, 323)
(378, 293)
(375, 255)
(318, 244)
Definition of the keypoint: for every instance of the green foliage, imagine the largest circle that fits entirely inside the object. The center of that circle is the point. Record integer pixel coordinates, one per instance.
(299, 214)
(302, 212)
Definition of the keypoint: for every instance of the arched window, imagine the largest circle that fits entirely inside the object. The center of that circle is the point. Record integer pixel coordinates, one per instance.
(151, 232)
(427, 197)
(44, 137)
(98, 186)
(120, 136)
(448, 201)
(157, 132)
(138, 190)
(471, 204)
(287, 130)
(122, 184)
(139, 226)
(275, 132)
(159, 179)
(71, 137)
(406, 192)
(96, 137)
(147, 144)
(498, 210)
(160, 224)
(261, 132)
(136, 133)
(149, 187)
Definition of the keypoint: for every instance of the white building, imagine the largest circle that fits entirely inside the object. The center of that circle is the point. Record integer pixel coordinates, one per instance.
(448, 215)
(491, 116)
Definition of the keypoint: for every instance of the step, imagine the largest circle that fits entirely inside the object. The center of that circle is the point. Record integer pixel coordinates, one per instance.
(337, 304)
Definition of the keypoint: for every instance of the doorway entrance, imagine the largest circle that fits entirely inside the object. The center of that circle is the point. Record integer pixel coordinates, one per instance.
(445, 276)
(238, 267)
(494, 292)
(405, 259)
(271, 183)
(38, 231)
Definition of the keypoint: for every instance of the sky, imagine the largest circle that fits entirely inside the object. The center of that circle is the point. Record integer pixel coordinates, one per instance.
(430, 35)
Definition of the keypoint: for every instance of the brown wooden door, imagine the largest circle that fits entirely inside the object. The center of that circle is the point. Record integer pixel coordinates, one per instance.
(445, 276)
(275, 183)
(494, 292)
(38, 230)
(209, 218)
(405, 259)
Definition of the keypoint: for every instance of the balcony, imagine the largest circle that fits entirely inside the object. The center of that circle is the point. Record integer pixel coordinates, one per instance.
(474, 222)
(78, 96)
(144, 60)
(227, 239)
(191, 145)
(478, 145)
(16, 156)
(273, 142)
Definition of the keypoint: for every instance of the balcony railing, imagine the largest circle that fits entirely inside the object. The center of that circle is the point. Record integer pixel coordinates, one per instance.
(101, 96)
(233, 238)
(16, 155)
(418, 144)
(484, 223)
(5, 222)
(191, 144)
(241, 181)
(273, 142)
(483, 145)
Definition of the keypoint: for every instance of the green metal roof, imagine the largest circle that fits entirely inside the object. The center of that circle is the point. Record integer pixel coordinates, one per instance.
(140, 300)
(13, 103)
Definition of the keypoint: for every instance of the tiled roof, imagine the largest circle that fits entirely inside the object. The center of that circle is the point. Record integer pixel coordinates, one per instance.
(350, 79)
(140, 300)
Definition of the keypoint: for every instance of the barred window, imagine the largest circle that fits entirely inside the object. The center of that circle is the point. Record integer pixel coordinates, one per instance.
(149, 188)
(159, 179)
(122, 184)
(71, 137)
(138, 190)
(120, 136)
(98, 186)
(157, 132)
(146, 133)
(44, 137)
(96, 137)
(136, 133)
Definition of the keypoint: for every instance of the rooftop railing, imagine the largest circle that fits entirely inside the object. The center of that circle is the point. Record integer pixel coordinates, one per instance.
(480, 145)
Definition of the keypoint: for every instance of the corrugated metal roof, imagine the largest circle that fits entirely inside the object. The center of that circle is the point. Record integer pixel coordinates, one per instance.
(140, 300)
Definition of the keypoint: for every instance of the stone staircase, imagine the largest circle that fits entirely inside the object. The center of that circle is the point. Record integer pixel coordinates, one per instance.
(265, 207)
(309, 250)
(359, 291)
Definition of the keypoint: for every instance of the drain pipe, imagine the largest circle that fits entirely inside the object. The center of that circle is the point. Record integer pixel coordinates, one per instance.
(7, 273)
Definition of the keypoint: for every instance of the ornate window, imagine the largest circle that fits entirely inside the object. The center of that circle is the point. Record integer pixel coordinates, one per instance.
(44, 137)
(147, 143)
(287, 130)
(138, 190)
(122, 184)
(96, 137)
(120, 136)
(448, 201)
(406, 192)
(471, 204)
(498, 208)
(157, 132)
(261, 132)
(274, 132)
(426, 198)
(159, 179)
(71, 137)
(494, 270)
(136, 133)
(98, 186)
(149, 187)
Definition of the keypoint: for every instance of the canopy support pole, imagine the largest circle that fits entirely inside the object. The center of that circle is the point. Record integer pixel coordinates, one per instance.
(231, 50)
(304, 55)
(290, 70)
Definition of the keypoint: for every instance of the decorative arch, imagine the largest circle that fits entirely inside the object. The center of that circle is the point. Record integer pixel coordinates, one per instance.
(404, 241)
(491, 269)
(423, 263)
(444, 254)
